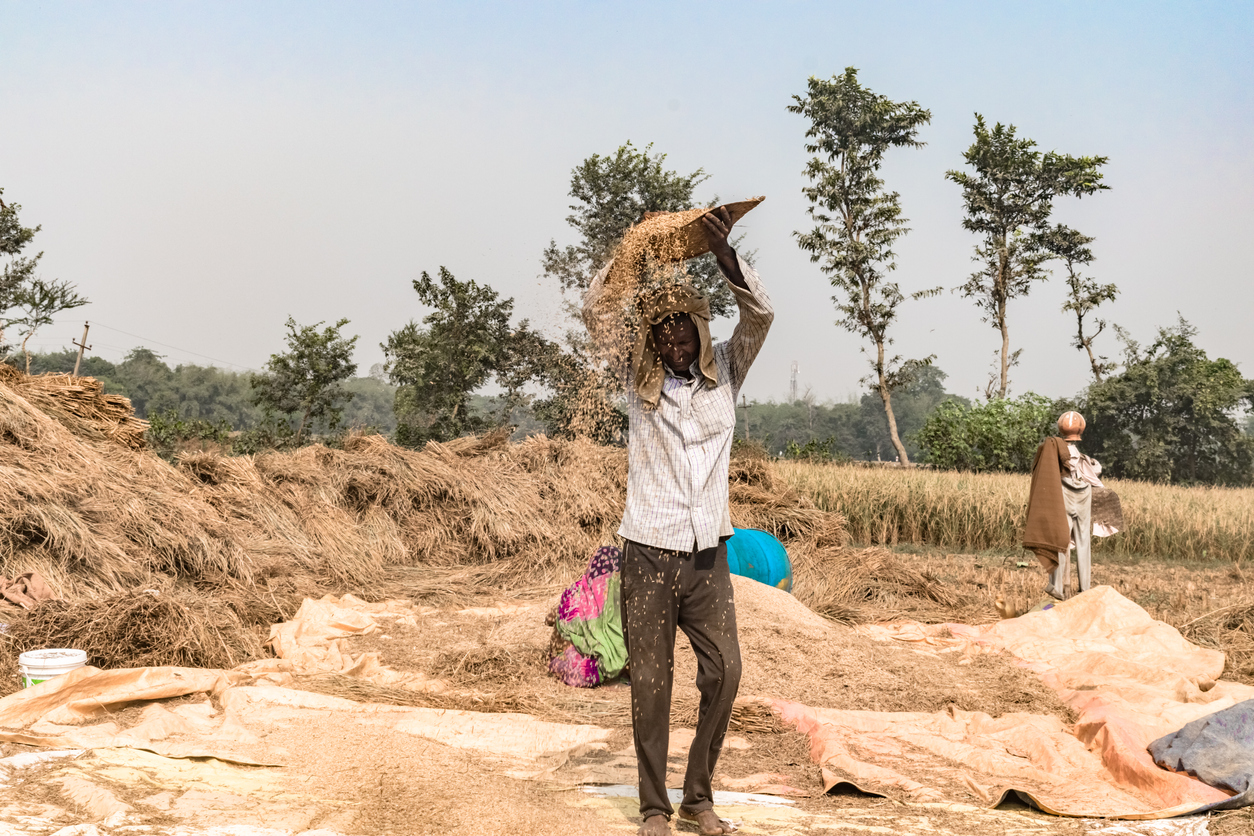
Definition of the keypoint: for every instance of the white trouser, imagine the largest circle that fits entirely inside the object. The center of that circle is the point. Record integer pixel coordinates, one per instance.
(1079, 505)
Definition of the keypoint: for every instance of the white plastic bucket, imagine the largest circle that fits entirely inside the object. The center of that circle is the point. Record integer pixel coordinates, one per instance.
(37, 665)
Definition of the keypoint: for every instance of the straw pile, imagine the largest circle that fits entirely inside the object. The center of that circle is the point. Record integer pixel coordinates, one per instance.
(80, 405)
(137, 629)
(252, 536)
(1230, 629)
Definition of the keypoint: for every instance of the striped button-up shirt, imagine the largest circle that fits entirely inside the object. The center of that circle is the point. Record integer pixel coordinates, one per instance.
(677, 453)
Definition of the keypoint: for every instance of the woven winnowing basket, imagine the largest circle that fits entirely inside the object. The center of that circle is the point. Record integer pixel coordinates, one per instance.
(689, 240)
(1106, 508)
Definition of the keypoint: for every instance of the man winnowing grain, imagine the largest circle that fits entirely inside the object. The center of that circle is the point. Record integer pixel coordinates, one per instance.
(681, 403)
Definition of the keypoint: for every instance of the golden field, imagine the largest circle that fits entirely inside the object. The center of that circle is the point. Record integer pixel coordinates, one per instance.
(979, 511)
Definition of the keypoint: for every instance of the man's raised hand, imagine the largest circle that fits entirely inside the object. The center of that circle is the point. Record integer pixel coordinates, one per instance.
(718, 224)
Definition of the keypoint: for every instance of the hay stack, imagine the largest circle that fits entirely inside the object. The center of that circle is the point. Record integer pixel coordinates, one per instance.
(80, 405)
(253, 535)
(93, 514)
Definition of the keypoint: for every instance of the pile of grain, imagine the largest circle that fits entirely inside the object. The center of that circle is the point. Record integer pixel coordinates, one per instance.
(495, 663)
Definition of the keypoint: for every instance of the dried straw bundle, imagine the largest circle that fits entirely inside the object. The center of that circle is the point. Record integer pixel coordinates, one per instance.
(80, 404)
(137, 629)
(1230, 629)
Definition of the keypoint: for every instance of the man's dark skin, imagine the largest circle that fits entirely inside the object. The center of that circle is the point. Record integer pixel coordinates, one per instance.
(679, 345)
(676, 337)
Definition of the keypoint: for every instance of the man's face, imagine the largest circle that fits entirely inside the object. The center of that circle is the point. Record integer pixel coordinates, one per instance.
(678, 342)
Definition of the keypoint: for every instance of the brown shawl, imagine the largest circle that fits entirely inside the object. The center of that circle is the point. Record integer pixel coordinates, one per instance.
(647, 373)
(1047, 532)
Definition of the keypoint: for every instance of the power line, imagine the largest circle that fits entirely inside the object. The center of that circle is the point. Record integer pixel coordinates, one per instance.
(175, 347)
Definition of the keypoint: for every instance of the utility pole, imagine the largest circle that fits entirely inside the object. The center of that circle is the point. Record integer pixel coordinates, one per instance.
(744, 404)
(82, 346)
(792, 384)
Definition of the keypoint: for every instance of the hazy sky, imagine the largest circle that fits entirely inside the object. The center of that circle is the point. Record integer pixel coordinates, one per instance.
(203, 170)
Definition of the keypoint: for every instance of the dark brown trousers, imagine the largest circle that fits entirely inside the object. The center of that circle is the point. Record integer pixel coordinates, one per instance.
(663, 590)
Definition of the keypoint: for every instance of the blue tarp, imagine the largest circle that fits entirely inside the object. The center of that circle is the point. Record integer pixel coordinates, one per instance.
(1217, 750)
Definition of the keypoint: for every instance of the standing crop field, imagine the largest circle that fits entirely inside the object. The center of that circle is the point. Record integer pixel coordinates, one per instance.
(978, 511)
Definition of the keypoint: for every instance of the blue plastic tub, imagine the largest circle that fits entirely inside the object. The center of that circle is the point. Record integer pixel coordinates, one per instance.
(755, 554)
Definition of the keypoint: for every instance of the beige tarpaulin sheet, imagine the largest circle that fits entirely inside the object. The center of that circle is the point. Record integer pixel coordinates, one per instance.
(1130, 678)
(25, 590)
(54, 714)
(59, 713)
(206, 759)
(313, 643)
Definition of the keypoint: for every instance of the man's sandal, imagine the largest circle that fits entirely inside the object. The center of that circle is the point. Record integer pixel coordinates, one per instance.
(708, 821)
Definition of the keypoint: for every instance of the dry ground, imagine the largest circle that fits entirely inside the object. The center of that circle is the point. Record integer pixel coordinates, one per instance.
(491, 652)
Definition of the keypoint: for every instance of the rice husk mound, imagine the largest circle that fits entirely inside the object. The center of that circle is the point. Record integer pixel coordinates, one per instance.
(493, 660)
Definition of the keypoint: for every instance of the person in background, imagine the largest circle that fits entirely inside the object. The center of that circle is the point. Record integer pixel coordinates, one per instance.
(1060, 518)
(681, 405)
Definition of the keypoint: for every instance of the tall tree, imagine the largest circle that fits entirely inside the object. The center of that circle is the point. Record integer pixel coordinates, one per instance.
(857, 220)
(612, 193)
(437, 364)
(39, 301)
(308, 377)
(1009, 198)
(1084, 295)
(14, 238)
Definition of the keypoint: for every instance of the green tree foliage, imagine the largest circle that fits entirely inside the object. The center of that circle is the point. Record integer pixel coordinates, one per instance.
(1009, 198)
(192, 392)
(18, 269)
(612, 193)
(371, 406)
(187, 398)
(308, 378)
(815, 450)
(836, 427)
(37, 300)
(852, 430)
(1001, 434)
(168, 433)
(1084, 295)
(857, 220)
(1172, 415)
(437, 364)
(913, 403)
